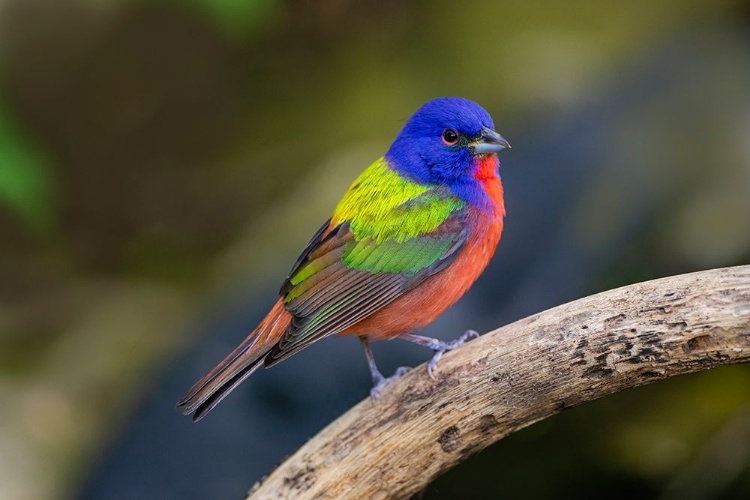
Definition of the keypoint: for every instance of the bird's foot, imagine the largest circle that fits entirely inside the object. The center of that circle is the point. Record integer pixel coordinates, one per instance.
(439, 346)
(379, 382)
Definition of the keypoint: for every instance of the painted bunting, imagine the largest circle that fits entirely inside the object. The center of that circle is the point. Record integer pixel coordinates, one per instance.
(409, 237)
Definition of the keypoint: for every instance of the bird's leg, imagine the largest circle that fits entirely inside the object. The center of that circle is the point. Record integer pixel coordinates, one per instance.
(438, 346)
(378, 380)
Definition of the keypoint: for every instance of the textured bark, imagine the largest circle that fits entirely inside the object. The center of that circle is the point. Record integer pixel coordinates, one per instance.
(517, 375)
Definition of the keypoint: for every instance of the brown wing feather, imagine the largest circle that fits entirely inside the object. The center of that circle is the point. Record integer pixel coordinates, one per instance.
(336, 296)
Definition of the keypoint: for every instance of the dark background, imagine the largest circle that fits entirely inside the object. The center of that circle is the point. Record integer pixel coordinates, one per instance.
(162, 162)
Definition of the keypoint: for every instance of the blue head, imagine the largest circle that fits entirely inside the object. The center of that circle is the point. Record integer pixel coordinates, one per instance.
(442, 142)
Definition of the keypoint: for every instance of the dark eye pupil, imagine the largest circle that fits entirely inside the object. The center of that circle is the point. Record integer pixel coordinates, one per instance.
(450, 136)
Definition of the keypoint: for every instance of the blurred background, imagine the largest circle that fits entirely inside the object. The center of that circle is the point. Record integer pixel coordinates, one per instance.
(162, 162)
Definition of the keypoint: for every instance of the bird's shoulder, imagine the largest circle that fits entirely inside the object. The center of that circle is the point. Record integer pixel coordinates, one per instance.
(384, 224)
(386, 205)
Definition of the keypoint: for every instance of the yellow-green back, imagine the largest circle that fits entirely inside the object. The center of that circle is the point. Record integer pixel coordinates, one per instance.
(383, 205)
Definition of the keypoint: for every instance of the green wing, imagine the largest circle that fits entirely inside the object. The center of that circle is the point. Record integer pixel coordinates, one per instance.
(341, 279)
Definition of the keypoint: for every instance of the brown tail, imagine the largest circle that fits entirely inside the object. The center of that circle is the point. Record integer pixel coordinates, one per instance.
(240, 364)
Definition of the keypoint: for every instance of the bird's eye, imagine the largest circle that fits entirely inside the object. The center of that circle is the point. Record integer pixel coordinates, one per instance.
(450, 137)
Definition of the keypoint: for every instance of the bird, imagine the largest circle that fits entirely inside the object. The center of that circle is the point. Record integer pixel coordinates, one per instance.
(408, 238)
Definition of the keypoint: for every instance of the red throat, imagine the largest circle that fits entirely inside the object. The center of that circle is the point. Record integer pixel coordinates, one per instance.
(487, 167)
(486, 173)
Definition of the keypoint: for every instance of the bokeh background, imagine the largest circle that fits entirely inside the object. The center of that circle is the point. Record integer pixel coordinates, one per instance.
(163, 161)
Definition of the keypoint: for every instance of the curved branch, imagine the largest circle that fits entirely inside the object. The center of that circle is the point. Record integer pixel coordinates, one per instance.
(517, 375)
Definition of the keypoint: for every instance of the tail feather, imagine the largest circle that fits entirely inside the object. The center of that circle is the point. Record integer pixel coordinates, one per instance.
(216, 395)
(205, 394)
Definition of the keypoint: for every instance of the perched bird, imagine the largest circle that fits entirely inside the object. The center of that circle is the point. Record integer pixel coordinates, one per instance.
(409, 237)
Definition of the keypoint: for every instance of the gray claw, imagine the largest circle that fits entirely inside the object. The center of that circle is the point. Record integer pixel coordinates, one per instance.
(432, 365)
(440, 347)
(380, 384)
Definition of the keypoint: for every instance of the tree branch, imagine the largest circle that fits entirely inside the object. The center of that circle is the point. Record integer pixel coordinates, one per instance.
(518, 375)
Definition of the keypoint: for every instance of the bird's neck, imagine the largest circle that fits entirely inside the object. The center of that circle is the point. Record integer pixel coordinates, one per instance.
(486, 173)
(482, 189)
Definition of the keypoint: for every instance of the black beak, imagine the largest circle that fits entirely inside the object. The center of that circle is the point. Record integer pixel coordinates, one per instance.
(488, 141)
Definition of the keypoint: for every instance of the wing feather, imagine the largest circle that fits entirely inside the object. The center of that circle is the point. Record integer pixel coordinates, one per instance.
(341, 279)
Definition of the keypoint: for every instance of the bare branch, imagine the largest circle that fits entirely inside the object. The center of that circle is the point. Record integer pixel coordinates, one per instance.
(518, 375)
